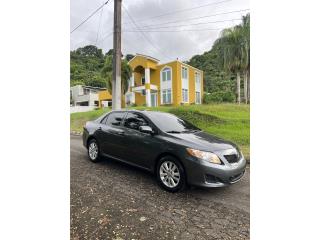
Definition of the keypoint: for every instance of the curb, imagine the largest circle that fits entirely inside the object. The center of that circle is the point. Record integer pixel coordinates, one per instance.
(76, 133)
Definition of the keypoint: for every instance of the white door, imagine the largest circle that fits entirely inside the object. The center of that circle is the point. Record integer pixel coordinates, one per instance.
(154, 99)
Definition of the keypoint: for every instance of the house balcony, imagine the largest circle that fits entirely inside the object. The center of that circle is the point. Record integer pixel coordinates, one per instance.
(141, 88)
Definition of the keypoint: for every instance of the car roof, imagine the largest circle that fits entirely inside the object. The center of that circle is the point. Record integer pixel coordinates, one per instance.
(146, 111)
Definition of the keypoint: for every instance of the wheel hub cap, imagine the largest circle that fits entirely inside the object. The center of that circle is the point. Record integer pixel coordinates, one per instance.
(169, 174)
(93, 151)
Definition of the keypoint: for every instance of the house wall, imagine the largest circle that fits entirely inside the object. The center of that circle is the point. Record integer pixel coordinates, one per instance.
(192, 82)
(155, 79)
(140, 99)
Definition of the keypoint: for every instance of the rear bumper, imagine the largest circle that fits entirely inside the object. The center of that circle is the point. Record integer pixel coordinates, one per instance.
(205, 174)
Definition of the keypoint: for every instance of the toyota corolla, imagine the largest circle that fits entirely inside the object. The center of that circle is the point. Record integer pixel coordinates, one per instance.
(176, 151)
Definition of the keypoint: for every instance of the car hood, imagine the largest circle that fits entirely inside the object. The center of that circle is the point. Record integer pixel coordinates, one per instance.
(204, 141)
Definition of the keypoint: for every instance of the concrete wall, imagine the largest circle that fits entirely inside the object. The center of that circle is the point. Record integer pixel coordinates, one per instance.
(78, 96)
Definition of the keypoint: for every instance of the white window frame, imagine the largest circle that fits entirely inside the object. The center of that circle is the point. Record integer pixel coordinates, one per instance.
(165, 85)
(197, 87)
(183, 87)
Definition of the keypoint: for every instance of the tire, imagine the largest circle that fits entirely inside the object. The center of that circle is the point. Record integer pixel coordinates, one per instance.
(170, 174)
(93, 151)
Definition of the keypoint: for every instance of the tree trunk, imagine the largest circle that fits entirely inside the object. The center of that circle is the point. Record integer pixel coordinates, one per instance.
(245, 86)
(248, 86)
(238, 87)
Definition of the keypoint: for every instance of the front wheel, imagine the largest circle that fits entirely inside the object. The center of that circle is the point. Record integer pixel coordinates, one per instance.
(170, 174)
(93, 151)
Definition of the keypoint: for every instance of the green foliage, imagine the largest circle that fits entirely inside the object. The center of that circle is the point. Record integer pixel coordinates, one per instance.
(218, 97)
(89, 66)
(126, 72)
(230, 53)
(85, 67)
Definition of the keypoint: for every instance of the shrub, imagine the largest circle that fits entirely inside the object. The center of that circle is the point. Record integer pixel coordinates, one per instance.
(218, 97)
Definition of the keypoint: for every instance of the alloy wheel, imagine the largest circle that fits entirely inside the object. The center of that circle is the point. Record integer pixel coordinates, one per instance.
(93, 150)
(169, 174)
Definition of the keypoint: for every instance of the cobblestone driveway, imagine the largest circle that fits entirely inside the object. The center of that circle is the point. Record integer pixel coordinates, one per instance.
(110, 200)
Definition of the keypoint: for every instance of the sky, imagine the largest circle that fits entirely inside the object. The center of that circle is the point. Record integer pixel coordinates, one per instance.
(164, 29)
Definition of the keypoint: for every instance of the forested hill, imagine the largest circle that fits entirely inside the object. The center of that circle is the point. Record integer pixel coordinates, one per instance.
(216, 79)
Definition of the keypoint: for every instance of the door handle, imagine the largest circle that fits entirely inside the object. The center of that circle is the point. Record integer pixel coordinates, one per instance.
(120, 133)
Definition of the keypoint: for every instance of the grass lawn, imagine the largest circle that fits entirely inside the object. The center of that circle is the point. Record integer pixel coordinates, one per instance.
(229, 121)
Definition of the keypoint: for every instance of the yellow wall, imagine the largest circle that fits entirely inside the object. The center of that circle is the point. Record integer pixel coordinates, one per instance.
(106, 96)
(140, 99)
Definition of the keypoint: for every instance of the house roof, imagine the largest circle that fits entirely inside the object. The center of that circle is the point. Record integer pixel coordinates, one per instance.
(96, 88)
(145, 56)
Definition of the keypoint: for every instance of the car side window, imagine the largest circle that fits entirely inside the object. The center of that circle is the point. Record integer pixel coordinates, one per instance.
(115, 119)
(134, 121)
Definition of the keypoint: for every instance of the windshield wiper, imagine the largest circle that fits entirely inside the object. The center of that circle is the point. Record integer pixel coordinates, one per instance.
(173, 131)
(191, 131)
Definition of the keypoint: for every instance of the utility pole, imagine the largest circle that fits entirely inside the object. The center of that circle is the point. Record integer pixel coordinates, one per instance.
(116, 68)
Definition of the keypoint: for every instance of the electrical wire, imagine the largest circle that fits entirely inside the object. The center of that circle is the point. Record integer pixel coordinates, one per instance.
(181, 10)
(92, 14)
(192, 24)
(144, 35)
(195, 18)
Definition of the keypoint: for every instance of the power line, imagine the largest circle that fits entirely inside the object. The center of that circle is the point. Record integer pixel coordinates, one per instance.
(181, 30)
(98, 31)
(182, 10)
(195, 18)
(143, 34)
(90, 16)
(192, 24)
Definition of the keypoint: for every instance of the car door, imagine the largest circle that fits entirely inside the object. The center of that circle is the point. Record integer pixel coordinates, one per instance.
(141, 148)
(111, 134)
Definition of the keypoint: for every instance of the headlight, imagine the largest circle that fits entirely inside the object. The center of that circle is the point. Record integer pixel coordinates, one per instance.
(207, 156)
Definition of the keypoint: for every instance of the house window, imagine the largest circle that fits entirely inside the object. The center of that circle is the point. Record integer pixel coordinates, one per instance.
(184, 73)
(198, 98)
(185, 84)
(143, 80)
(185, 95)
(166, 96)
(166, 74)
(166, 85)
(198, 87)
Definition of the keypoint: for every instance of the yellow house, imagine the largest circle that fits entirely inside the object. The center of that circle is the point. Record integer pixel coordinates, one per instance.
(153, 84)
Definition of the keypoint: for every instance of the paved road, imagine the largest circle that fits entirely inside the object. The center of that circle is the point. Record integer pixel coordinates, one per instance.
(110, 200)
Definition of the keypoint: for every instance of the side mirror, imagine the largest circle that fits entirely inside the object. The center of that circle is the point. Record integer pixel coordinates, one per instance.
(146, 129)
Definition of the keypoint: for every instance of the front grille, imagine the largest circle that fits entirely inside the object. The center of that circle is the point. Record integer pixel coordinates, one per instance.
(232, 158)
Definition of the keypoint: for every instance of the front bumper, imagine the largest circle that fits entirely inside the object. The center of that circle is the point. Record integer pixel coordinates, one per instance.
(205, 174)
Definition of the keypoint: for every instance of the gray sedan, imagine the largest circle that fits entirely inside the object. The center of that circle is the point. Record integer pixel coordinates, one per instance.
(176, 151)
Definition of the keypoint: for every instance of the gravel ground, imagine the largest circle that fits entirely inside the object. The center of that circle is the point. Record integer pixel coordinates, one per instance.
(111, 200)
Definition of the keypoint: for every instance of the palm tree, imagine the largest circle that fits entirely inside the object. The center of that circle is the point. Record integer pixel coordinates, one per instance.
(234, 51)
(126, 73)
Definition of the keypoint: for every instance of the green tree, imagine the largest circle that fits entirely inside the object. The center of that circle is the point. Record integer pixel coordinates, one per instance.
(225, 63)
(126, 73)
(234, 52)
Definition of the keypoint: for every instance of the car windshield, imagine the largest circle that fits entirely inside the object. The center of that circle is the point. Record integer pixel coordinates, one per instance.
(170, 123)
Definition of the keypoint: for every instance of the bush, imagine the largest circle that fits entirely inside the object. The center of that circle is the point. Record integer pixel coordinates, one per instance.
(218, 97)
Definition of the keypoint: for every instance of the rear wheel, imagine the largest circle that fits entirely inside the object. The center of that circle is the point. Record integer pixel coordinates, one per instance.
(170, 174)
(93, 150)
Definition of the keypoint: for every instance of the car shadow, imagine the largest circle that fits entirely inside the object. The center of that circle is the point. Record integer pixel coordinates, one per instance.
(124, 170)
